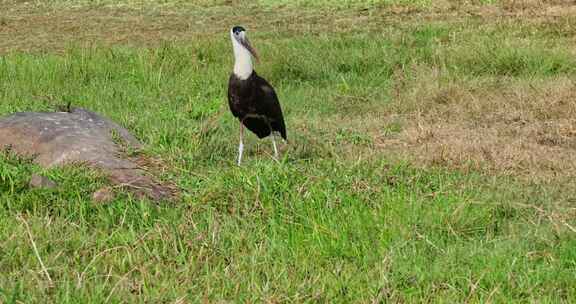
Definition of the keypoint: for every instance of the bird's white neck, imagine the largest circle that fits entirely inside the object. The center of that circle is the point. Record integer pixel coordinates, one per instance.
(242, 60)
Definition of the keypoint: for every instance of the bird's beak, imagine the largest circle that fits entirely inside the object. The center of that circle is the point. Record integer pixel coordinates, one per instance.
(246, 43)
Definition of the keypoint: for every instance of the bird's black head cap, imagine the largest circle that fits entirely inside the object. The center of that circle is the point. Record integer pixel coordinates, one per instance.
(238, 29)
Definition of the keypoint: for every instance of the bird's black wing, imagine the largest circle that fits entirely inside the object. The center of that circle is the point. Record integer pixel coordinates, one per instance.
(244, 105)
(238, 92)
(267, 104)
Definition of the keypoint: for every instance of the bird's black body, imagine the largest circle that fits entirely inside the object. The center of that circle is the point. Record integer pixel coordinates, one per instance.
(254, 102)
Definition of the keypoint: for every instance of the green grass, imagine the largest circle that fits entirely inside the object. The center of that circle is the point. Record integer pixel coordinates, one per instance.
(288, 232)
(337, 220)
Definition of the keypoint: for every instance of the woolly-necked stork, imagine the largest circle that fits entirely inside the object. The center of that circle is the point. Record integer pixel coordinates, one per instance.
(251, 98)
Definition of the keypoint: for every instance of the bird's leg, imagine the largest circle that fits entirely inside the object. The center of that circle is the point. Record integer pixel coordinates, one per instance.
(274, 144)
(241, 145)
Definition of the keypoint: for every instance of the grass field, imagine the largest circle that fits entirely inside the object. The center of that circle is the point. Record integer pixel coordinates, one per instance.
(432, 153)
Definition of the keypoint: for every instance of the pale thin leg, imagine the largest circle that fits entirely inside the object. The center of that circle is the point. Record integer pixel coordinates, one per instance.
(241, 145)
(275, 148)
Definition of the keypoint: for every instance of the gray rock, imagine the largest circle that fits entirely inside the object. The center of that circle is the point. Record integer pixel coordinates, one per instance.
(103, 195)
(39, 181)
(57, 138)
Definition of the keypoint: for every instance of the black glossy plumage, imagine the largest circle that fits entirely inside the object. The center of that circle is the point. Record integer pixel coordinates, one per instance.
(254, 102)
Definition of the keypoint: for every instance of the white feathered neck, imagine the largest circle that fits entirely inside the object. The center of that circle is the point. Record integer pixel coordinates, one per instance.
(243, 66)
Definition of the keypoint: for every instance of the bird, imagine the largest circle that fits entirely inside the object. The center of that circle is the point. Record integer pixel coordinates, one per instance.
(252, 100)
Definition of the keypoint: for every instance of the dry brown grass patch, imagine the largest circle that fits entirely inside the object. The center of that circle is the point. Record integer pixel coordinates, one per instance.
(518, 127)
(39, 26)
